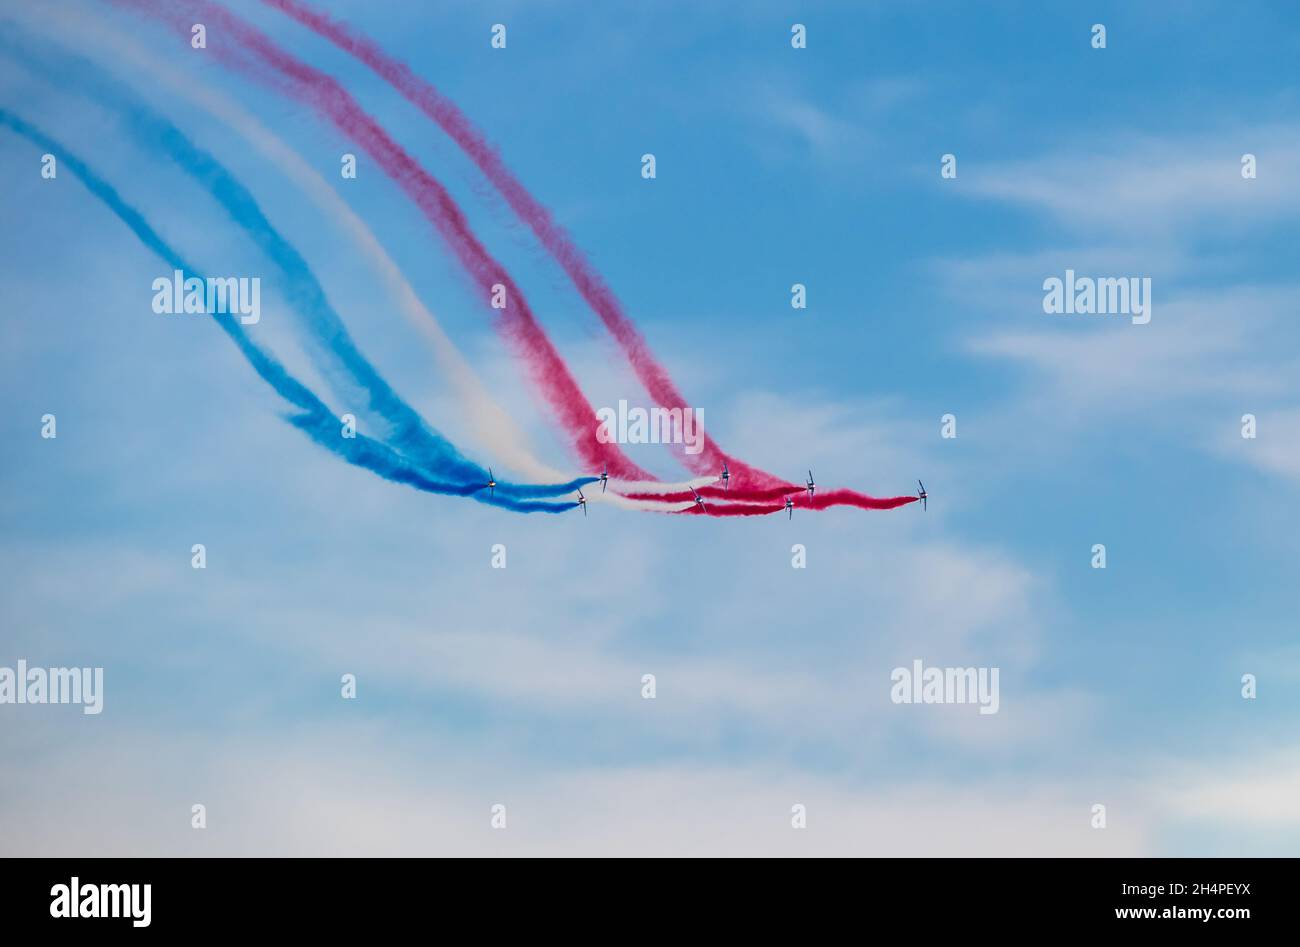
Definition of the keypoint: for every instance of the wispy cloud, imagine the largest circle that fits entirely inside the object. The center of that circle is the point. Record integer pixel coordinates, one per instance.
(1195, 344)
(836, 131)
(1257, 790)
(1136, 183)
(335, 793)
(1275, 449)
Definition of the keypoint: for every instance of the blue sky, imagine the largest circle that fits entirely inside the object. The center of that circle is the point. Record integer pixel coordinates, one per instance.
(522, 686)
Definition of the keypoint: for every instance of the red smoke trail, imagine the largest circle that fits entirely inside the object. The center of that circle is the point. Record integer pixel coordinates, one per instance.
(588, 282)
(722, 493)
(735, 509)
(324, 94)
(820, 501)
(852, 498)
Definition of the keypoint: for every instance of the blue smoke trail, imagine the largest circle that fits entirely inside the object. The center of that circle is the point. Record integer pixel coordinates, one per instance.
(316, 420)
(410, 434)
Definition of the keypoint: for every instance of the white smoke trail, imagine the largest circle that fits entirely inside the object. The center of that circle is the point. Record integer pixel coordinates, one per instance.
(654, 486)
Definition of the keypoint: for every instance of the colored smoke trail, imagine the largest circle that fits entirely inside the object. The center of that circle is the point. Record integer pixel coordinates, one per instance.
(315, 419)
(823, 499)
(255, 55)
(820, 501)
(648, 489)
(589, 283)
(493, 427)
(325, 95)
(826, 499)
(490, 422)
(748, 482)
(411, 434)
(736, 509)
(732, 493)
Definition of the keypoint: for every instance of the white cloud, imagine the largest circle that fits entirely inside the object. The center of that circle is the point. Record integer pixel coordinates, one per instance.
(1196, 343)
(741, 643)
(328, 792)
(1275, 449)
(823, 132)
(1009, 285)
(1142, 184)
(1260, 790)
(837, 132)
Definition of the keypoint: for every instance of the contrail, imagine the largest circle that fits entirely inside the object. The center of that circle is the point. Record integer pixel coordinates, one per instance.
(315, 419)
(410, 433)
(271, 63)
